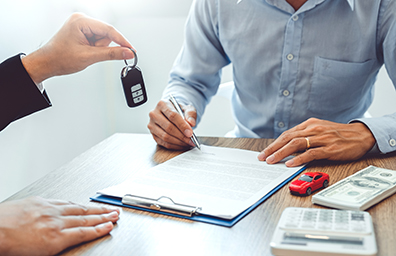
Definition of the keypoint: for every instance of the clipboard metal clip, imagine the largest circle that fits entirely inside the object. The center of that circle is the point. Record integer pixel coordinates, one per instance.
(160, 205)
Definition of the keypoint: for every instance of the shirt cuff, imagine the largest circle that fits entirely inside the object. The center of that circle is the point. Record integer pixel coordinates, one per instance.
(383, 131)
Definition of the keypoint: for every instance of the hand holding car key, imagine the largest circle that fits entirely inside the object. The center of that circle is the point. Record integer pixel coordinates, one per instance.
(133, 84)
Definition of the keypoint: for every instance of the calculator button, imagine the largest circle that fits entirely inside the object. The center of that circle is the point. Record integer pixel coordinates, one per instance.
(325, 218)
(326, 214)
(341, 227)
(310, 214)
(136, 87)
(358, 228)
(138, 99)
(357, 217)
(138, 93)
(341, 222)
(308, 225)
(325, 226)
(291, 225)
(292, 219)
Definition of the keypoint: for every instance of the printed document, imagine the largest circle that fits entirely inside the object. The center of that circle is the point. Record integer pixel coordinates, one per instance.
(222, 182)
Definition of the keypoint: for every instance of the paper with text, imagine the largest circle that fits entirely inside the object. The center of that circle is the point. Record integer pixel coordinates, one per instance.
(222, 181)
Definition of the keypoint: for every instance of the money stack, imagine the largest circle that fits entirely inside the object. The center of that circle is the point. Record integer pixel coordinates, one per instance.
(360, 190)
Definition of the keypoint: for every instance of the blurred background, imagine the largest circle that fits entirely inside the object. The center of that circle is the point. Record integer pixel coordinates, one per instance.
(90, 106)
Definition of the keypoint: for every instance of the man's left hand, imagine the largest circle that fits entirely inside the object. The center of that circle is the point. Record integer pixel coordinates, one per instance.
(321, 140)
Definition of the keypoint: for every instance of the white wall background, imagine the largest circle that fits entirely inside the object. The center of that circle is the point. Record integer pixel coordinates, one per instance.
(90, 106)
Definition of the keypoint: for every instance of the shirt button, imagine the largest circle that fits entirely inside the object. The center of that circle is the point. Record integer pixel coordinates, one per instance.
(281, 124)
(290, 56)
(392, 142)
(295, 18)
(286, 93)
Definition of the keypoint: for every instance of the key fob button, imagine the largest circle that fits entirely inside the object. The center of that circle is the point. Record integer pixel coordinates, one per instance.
(138, 99)
(136, 87)
(138, 93)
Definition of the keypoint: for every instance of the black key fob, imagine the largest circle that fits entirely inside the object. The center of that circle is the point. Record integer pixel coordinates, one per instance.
(133, 84)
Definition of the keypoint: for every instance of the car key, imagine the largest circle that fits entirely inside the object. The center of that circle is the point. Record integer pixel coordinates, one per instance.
(133, 84)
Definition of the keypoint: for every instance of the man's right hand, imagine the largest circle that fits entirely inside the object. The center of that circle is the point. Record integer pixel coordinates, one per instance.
(169, 129)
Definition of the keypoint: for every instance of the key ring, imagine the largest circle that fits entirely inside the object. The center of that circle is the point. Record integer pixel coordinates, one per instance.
(128, 67)
(135, 58)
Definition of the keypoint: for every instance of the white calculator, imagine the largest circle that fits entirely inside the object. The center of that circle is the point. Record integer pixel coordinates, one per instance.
(311, 231)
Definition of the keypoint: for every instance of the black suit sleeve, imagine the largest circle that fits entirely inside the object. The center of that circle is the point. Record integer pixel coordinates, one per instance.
(19, 95)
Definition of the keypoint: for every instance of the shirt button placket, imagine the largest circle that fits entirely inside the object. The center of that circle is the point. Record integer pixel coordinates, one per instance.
(289, 72)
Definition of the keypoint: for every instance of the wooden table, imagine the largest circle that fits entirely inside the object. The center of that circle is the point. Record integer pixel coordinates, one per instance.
(140, 233)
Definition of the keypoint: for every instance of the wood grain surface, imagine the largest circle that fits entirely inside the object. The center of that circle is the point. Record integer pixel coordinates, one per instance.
(140, 233)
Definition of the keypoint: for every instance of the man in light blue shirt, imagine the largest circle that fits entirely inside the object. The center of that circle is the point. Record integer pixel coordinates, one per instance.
(303, 70)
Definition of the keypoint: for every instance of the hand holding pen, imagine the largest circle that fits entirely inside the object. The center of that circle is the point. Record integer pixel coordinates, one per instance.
(169, 128)
(178, 109)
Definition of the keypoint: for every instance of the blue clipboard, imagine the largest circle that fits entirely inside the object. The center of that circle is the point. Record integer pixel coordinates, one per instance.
(200, 217)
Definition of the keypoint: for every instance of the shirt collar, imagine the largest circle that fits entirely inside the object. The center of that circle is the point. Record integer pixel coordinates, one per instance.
(350, 2)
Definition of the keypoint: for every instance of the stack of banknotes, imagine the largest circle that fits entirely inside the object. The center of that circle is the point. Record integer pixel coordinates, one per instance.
(360, 190)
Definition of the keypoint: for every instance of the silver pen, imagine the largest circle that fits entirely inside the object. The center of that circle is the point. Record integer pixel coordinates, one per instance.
(178, 109)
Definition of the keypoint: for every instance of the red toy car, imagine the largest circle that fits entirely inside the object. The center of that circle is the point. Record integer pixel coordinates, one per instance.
(309, 182)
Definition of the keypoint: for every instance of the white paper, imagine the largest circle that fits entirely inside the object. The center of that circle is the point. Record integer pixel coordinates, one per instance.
(222, 181)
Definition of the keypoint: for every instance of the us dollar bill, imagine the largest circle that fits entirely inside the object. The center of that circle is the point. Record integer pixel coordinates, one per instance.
(360, 190)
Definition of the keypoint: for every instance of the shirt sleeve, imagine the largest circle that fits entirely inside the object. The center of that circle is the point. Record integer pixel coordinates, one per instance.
(196, 73)
(19, 95)
(384, 128)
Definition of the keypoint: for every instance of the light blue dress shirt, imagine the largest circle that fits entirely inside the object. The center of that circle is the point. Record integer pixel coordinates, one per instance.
(319, 61)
